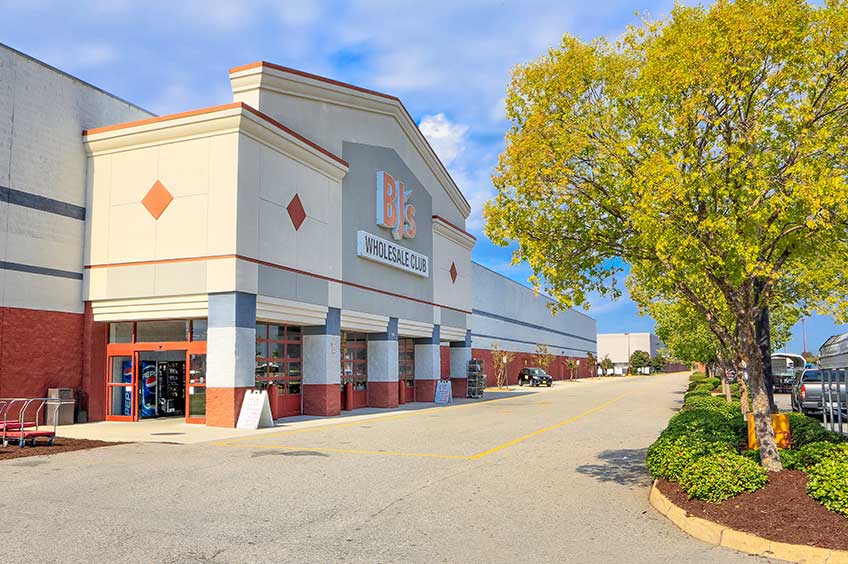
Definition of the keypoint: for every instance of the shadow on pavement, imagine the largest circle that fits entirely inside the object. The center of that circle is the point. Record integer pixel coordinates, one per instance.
(624, 466)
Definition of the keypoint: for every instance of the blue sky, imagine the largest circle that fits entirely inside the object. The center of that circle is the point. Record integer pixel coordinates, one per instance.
(449, 61)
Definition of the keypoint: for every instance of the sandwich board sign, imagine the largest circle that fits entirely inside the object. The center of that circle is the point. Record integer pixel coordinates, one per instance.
(443, 392)
(255, 411)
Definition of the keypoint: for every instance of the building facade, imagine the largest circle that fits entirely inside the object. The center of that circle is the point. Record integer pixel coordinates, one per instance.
(620, 346)
(303, 238)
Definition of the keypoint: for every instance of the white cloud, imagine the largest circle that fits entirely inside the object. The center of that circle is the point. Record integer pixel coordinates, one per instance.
(446, 138)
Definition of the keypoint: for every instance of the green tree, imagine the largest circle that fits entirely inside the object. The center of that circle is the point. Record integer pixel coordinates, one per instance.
(639, 360)
(606, 365)
(706, 151)
(657, 363)
(543, 357)
(591, 364)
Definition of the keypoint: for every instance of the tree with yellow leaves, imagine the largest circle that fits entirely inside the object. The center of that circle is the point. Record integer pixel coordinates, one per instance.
(706, 152)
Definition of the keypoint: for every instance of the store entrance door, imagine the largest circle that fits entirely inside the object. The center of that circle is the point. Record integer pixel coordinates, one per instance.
(161, 384)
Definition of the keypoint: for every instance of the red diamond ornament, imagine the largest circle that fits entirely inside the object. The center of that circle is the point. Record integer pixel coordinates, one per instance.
(296, 212)
(157, 200)
(453, 272)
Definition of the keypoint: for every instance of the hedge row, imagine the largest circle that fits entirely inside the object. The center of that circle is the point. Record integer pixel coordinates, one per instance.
(699, 449)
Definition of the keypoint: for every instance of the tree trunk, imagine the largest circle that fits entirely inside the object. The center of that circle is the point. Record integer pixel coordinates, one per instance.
(760, 404)
(764, 342)
(763, 334)
(725, 387)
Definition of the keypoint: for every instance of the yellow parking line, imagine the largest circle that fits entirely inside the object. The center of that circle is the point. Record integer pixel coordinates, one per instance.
(353, 451)
(537, 432)
(344, 424)
(478, 456)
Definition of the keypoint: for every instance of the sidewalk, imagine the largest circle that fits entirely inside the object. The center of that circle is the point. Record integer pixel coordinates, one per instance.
(176, 430)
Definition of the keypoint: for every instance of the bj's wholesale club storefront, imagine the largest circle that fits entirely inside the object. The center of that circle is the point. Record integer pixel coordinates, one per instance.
(303, 239)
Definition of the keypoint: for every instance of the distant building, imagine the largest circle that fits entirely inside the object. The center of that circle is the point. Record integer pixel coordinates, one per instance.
(620, 346)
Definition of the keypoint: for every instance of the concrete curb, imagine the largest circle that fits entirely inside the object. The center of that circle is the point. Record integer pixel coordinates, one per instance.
(714, 533)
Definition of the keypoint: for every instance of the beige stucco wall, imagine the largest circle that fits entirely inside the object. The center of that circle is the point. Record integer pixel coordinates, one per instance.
(202, 176)
(615, 345)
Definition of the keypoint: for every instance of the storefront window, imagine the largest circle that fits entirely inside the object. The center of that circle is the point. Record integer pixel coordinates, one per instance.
(278, 357)
(199, 329)
(406, 360)
(161, 331)
(120, 332)
(354, 359)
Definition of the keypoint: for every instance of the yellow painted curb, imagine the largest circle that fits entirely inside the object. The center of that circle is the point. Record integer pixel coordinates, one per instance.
(714, 533)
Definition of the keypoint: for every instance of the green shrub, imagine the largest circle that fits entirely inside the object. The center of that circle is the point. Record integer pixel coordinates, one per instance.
(753, 454)
(811, 454)
(717, 477)
(828, 484)
(704, 425)
(697, 376)
(714, 382)
(669, 456)
(714, 403)
(700, 385)
(804, 430)
(697, 393)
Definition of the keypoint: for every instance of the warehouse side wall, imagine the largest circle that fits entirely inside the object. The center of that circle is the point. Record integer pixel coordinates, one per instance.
(42, 220)
(509, 316)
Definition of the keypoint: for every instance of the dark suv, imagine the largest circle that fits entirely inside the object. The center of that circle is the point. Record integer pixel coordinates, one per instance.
(534, 377)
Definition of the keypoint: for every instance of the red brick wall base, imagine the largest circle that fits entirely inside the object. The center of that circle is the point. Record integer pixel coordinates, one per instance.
(39, 350)
(95, 336)
(321, 399)
(223, 406)
(459, 387)
(558, 368)
(425, 390)
(382, 394)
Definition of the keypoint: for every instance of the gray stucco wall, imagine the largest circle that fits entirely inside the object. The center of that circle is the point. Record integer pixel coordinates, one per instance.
(359, 213)
(43, 179)
(517, 318)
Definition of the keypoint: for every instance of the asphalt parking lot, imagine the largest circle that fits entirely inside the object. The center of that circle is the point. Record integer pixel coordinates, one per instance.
(548, 475)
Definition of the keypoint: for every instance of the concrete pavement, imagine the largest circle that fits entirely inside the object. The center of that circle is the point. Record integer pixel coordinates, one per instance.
(556, 475)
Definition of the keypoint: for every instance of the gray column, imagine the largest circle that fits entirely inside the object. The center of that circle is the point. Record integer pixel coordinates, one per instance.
(460, 354)
(428, 366)
(322, 366)
(231, 355)
(383, 366)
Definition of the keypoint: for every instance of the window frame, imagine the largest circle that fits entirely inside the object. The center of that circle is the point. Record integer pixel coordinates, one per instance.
(282, 378)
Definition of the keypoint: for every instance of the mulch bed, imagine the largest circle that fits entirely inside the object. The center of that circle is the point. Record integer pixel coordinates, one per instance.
(782, 511)
(62, 444)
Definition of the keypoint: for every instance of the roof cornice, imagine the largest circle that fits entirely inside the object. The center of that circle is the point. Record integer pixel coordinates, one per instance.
(285, 80)
(237, 117)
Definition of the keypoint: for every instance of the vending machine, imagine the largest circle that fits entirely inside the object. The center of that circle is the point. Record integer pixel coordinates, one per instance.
(126, 378)
(148, 389)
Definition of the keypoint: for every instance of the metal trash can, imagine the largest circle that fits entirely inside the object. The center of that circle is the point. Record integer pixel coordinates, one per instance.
(65, 413)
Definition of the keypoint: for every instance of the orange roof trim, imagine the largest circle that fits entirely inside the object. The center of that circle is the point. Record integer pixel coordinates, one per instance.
(457, 228)
(313, 77)
(214, 109)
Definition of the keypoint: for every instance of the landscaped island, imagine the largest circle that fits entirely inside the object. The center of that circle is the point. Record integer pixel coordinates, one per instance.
(702, 464)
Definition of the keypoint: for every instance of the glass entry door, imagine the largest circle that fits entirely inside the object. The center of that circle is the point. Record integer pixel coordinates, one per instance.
(120, 387)
(196, 389)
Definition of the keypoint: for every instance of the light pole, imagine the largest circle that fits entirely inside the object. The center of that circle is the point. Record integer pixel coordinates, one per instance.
(804, 333)
(628, 353)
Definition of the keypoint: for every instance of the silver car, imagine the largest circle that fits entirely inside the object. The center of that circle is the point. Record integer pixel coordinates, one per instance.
(807, 391)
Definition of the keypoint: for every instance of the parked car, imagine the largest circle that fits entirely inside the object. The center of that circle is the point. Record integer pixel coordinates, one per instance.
(534, 377)
(784, 367)
(807, 391)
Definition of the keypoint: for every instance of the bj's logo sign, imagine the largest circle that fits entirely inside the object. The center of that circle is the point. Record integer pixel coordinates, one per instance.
(393, 208)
